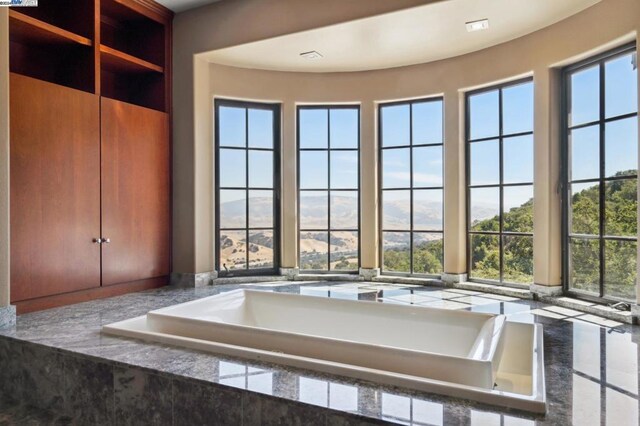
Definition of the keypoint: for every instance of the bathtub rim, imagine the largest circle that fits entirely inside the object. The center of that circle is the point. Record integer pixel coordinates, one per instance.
(534, 402)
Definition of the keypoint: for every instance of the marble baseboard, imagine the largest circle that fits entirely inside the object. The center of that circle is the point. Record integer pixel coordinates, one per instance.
(546, 290)
(522, 293)
(328, 277)
(7, 316)
(290, 273)
(450, 279)
(88, 390)
(187, 279)
(369, 273)
(391, 279)
(248, 279)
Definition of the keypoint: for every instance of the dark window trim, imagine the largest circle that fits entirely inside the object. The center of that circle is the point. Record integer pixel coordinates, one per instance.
(276, 109)
(500, 185)
(328, 190)
(411, 188)
(594, 61)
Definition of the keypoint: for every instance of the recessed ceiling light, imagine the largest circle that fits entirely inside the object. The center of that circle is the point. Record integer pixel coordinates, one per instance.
(478, 25)
(311, 55)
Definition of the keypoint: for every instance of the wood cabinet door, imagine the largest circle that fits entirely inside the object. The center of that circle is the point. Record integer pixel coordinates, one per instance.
(135, 192)
(55, 189)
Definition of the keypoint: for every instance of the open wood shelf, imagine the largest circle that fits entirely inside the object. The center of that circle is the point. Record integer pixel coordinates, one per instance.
(73, 16)
(26, 29)
(145, 89)
(41, 50)
(119, 49)
(126, 30)
(117, 61)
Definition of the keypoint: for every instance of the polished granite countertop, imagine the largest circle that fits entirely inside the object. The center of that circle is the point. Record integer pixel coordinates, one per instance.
(591, 363)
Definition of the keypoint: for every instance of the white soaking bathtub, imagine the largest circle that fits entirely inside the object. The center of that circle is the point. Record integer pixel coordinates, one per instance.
(458, 353)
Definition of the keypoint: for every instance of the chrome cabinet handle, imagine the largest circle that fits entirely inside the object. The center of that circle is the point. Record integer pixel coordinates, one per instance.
(106, 240)
(97, 240)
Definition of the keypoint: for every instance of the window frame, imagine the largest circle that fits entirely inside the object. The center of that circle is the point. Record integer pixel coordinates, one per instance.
(276, 108)
(566, 72)
(501, 185)
(329, 190)
(411, 188)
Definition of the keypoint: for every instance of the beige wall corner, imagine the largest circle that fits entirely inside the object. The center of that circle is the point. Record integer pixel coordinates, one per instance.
(368, 187)
(203, 160)
(183, 237)
(547, 209)
(4, 158)
(289, 189)
(455, 229)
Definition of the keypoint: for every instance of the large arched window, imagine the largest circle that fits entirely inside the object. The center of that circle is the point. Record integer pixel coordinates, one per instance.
(411, 182)
(500, 183)
(601, 163)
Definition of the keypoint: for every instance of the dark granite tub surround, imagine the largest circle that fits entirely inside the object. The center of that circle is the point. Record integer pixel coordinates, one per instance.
(59, 362)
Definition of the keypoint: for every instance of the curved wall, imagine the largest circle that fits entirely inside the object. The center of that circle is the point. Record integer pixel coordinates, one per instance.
(541, 54)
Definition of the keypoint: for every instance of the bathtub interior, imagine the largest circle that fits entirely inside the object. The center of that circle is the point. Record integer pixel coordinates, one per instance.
(461, 334)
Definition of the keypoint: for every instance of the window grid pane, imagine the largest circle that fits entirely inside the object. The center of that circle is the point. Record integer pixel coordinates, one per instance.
(412, 205)
(328, 188)
(246, 178)
(601, 188)
(500, 183)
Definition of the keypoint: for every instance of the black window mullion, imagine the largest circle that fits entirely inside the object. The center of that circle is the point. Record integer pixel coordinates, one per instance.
(329, 189)
(501, 187)
(411, 225)
(246, 169)
(601, 185)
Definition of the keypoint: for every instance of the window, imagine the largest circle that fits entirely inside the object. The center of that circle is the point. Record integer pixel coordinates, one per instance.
(500, 183)
(247, 187)
(601, 152)
(411, 153)
(328, 185)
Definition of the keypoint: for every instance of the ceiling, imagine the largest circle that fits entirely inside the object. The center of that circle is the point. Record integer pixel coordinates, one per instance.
(418, 35)
(182, 5)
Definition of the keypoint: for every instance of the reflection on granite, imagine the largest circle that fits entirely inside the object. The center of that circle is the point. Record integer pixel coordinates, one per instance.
(591, 368)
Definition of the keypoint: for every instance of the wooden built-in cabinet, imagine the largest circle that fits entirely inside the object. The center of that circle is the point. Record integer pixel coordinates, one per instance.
(90, 150)
(135, 192)
(55, 189)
